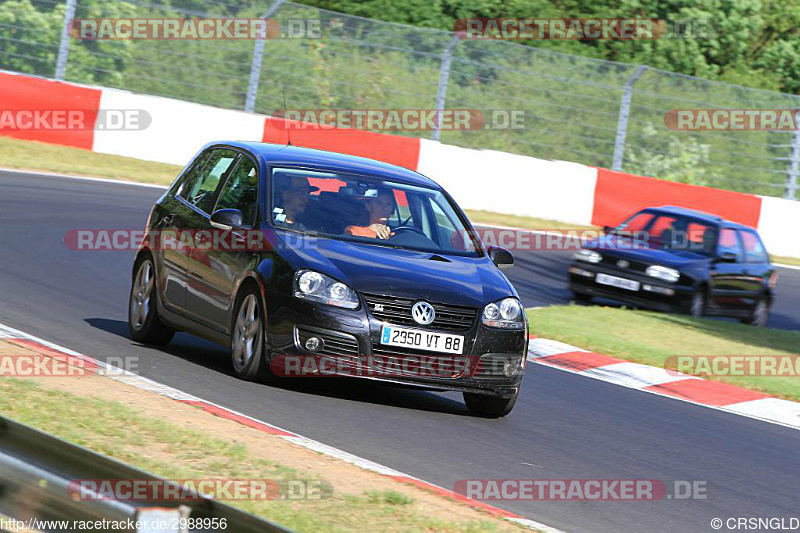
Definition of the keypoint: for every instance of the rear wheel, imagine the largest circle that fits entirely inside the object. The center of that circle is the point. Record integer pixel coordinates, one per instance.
(486, 406)
(247, 339)
(760, 315)
(143, 322)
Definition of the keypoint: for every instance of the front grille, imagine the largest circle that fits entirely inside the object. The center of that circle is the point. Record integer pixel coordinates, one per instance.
(335, 343)
(417, 363)
(634, 266)
(398, 311)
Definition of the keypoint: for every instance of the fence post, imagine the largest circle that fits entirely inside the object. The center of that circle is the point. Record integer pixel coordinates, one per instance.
(622, 121)
(258, 56)
(790, 193)
(63, 47)
(444, 75)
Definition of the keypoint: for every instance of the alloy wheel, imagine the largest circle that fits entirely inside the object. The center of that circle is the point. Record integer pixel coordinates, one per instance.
(247, 332)
(141, 295)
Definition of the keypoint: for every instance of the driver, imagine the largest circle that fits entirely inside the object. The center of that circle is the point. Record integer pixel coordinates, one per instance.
(379, 207)
(294, 193)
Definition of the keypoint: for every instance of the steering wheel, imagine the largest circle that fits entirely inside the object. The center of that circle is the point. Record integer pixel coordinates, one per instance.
(409, 228)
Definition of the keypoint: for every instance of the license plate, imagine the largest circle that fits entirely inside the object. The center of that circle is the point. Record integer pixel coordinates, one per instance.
(421, 339)
(614, 281)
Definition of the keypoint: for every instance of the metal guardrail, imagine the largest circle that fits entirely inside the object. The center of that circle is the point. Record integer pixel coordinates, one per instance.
(36, 470)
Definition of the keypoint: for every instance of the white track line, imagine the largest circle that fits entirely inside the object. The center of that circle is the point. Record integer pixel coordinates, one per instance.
(637, 376)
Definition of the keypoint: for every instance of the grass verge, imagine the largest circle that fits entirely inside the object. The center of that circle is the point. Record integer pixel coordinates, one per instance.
(649, 338)
(518, 221)
(31, 155)
(784, 260)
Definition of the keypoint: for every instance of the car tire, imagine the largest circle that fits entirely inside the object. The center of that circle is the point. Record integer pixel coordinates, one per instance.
(144, 324)
(760, 315)
(697, 303)
(248, 346)
(486, 406)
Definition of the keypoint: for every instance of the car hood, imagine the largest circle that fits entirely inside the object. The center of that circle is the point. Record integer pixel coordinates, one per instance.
(622, 249)
(448, 279)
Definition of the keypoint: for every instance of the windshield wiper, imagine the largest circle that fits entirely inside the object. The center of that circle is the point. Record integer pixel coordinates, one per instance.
(394, 246)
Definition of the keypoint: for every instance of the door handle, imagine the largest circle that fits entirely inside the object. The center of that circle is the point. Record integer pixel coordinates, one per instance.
(168, 219)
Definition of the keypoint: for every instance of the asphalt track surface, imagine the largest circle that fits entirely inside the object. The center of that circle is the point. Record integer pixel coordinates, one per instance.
(563, 427)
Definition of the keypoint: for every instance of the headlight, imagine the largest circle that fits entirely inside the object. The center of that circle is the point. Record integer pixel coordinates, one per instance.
(590, 256)
(662, 272)
(311, 285)
(506, 314)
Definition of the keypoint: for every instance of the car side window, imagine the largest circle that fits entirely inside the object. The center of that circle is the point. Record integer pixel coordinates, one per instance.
(200, 191)
(754, 251)
(448, 233)
(729, 242)
(241, 191)
(190, 174)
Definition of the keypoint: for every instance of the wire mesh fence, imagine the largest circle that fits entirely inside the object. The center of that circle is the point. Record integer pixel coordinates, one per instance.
(574, 107)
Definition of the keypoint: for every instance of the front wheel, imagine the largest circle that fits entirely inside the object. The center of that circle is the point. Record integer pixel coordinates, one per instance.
(581, 297)
(143, 322)
(247, 339)
(486, 406)
(760, 315)
(697, 304)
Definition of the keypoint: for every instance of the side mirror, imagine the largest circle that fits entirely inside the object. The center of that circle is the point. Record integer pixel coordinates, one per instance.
(608, 229)
(727, 257)
(227, 219)
(500, 256)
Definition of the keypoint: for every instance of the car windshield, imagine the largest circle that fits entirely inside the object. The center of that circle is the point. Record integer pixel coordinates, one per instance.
(369, 210)
(671, 232)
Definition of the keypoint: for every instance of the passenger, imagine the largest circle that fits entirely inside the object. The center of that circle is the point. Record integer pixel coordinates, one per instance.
(379, 207)
(294, 194)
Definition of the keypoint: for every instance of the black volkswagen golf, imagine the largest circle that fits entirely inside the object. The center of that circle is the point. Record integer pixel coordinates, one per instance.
(675, 259)
(288, 254)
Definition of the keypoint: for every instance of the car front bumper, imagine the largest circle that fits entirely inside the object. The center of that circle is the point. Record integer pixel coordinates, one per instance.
(351, 341)
(652, 293)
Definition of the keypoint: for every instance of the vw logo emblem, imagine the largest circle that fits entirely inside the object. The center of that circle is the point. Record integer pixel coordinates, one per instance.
(623, 264)
(423, 313)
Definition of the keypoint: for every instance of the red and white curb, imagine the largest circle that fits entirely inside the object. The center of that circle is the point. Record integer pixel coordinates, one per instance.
(50, 349)
(655, 380)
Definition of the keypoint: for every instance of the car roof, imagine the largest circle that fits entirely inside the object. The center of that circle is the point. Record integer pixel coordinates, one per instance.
(700, 215)
(296, 155)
